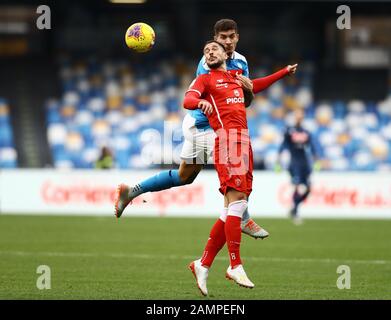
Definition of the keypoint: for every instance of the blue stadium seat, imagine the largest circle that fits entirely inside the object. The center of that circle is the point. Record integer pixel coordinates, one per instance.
(152, 93)
(8, 155)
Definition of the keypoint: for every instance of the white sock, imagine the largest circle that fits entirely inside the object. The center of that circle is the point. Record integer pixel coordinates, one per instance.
(223, 215)
(237, 208)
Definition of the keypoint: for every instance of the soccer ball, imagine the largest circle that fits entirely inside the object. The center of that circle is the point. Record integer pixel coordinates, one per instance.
(140, 37)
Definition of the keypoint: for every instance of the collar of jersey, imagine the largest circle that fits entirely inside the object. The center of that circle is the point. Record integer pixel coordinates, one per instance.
(216, 71)
(232, 56)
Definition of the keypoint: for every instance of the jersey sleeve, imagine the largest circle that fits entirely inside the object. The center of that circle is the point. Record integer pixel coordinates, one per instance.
(202, 67)
(265, 82)
(198, 86)
(241, 63)
(195, 92)
(246, 72)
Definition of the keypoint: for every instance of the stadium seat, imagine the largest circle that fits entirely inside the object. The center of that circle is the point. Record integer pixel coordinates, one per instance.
(124, 106)
(8, 154)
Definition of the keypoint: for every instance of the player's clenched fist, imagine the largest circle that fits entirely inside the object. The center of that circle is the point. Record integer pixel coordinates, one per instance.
(205, 106)
(292, 68)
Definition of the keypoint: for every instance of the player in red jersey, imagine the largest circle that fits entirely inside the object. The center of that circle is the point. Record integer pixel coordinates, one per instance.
(219, 94)
(199, 136)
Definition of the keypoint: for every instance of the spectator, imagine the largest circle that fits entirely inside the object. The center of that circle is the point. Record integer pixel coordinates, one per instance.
(105, 160)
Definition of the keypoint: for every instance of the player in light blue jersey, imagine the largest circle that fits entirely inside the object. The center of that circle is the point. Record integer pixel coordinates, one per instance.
(199, 137)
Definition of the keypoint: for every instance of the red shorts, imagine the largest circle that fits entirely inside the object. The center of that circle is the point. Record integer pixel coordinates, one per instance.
(233, 160)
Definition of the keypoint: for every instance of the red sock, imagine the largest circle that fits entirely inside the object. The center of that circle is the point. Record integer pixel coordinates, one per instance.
(233, 234)
(215, 242)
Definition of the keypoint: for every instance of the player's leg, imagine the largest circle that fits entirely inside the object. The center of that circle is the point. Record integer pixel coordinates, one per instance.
(215, 243)
(307, 183)
(199, 148)
(298, 197)
(161, 181)
(167, 179)
(295, 196)
(248, 225)
(191, 165)
(303, 190)
(296, 200)
(251, 228)
(246, 216)
(188, 170)
(237, 204)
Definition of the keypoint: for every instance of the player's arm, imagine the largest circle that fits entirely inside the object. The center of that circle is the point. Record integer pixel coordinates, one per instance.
(192, 102)
(247, 87)
(194, 94)
(248, 97)
(285, 142)
(193, 97)
(263, 83)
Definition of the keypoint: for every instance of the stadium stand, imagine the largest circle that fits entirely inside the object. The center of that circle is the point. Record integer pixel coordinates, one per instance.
(8, 155)
(125, 107)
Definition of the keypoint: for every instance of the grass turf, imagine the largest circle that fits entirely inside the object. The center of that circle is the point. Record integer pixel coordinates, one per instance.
(147, 258)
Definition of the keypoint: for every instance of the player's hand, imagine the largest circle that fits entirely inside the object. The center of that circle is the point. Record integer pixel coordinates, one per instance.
(245, 82)
(205, 106)
(292, 68)
(317, 165)
(277, 167)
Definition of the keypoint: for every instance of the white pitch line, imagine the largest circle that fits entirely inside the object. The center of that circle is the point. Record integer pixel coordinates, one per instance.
(177, 257)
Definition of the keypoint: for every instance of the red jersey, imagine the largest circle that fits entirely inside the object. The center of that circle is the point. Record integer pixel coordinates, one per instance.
(233, 156)
(223, 91)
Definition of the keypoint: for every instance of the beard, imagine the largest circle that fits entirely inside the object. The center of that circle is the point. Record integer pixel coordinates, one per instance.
(215, 65)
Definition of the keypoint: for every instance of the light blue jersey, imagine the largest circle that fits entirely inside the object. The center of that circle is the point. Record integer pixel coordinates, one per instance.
(236, 63)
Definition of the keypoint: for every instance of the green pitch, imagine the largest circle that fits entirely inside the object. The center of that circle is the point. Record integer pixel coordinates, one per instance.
(147, 258)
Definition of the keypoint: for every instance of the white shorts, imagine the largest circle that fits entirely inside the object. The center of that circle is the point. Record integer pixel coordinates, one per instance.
(198, 144)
